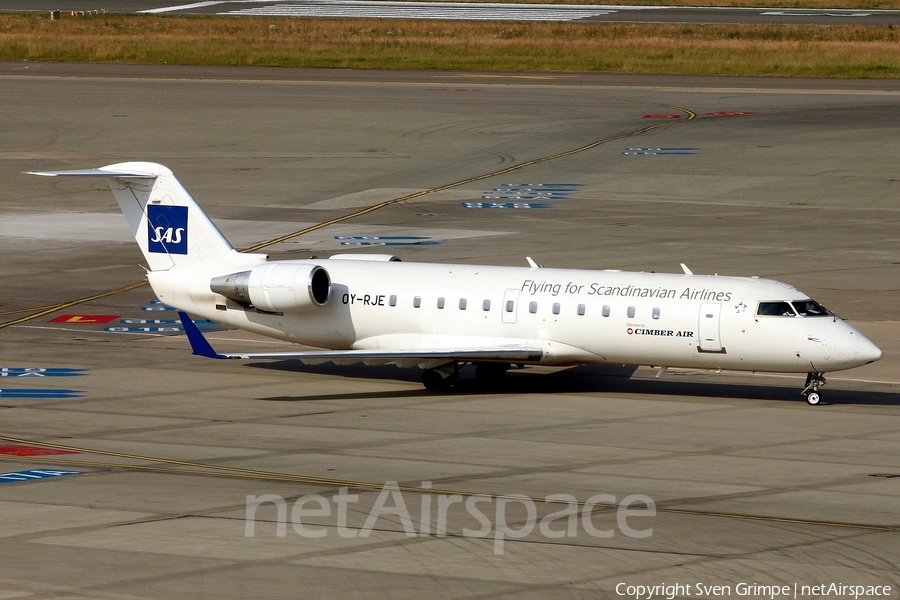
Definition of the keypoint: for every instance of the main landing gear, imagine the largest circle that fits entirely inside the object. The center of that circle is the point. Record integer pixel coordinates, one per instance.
(491, 375)
(441, 378)
(811, 391)
(488, 375)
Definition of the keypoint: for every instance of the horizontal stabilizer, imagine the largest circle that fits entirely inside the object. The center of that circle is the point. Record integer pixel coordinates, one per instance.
(416, 356)
(95, 173)
(167, 224)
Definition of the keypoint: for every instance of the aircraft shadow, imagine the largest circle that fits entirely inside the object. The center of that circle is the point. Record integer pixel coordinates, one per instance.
(583, 379)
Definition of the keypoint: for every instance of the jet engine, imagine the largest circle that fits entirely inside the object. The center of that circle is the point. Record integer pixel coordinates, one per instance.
(276, 287)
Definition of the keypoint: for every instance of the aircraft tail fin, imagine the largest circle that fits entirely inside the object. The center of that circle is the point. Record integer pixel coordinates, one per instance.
(168, 225)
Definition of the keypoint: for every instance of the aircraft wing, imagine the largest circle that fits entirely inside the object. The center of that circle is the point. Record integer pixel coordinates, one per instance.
(425, 357)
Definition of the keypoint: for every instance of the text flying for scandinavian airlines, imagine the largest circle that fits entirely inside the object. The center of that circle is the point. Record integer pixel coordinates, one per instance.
(533, 288)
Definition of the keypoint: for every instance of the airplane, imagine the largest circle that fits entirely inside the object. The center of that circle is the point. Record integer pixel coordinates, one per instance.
(376, 309)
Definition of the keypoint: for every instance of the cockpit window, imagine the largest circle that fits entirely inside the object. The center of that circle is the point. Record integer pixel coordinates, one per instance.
(775, 309)
(810, 308)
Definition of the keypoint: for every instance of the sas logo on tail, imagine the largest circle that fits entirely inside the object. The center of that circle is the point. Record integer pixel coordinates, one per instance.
(167, 229)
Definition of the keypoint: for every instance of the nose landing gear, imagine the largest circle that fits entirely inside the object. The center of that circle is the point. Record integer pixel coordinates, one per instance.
(811, 391)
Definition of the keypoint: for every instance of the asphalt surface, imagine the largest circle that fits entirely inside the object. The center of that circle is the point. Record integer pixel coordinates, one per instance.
(471, 11)
(157, 451)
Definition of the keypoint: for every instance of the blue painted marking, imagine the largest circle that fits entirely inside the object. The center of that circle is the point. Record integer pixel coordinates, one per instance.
(542, 185)
(39, 393)
(380, 237)
(167, 229)
(41, 372)
(524, 193)
(525, 197)
(385, 240)
(503, 205)
(540, 191)
(149, 329)
(34, 474)
(661, 151)
(411, 243)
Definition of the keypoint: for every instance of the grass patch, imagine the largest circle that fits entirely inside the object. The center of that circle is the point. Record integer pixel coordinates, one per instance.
(787, 50)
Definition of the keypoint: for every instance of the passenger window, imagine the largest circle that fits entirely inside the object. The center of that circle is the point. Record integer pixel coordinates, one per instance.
(486, 305)
(532, 308)
(462, 304)
(441, 303)
(630, 312)
(655, 313)
(775, 309)
(581, 310)
(556, 308)
(606, 310)
(393, 301)
(510, 306)
(417, 301)
(810, 308)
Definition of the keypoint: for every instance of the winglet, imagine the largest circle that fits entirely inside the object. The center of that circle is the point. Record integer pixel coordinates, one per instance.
(199, 345)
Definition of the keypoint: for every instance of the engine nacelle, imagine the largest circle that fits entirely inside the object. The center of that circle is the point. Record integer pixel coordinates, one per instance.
(276, 287)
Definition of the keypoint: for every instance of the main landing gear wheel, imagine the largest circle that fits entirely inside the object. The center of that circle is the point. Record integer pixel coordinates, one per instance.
(491, 374)
(811, 391)
(438, 380)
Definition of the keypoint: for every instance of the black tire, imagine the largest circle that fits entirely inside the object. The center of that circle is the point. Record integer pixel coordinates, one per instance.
(434, 381)
(490, 374)
(813, 398)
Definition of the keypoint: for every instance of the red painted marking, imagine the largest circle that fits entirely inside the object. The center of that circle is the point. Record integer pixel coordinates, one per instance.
(19, 450)
(662, 116)
(453, 90)
(78, 319)
(729, 113)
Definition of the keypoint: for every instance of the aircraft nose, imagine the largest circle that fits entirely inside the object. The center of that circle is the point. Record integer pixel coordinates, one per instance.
(867, 352)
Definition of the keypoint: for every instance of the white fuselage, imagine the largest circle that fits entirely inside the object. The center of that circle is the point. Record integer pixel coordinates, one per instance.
(575, 316)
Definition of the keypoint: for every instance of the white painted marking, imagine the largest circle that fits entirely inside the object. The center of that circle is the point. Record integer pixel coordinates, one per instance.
(166, 9)
(111, 227)
(85, 330)
(425, 10)
(781, 13)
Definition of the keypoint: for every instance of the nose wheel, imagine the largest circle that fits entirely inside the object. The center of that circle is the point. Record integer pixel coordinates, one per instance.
(811, 391)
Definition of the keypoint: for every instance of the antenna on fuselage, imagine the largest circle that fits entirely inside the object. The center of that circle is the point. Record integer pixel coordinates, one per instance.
(686, 270)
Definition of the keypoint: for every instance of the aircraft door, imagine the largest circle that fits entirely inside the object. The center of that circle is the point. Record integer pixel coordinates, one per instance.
(510, 306)
(708, 327)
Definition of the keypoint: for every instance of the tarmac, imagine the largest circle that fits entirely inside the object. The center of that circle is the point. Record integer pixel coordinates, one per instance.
(132, 469)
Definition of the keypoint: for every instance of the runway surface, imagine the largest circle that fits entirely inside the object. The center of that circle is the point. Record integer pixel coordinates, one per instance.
(380, 9)
(127, 463)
